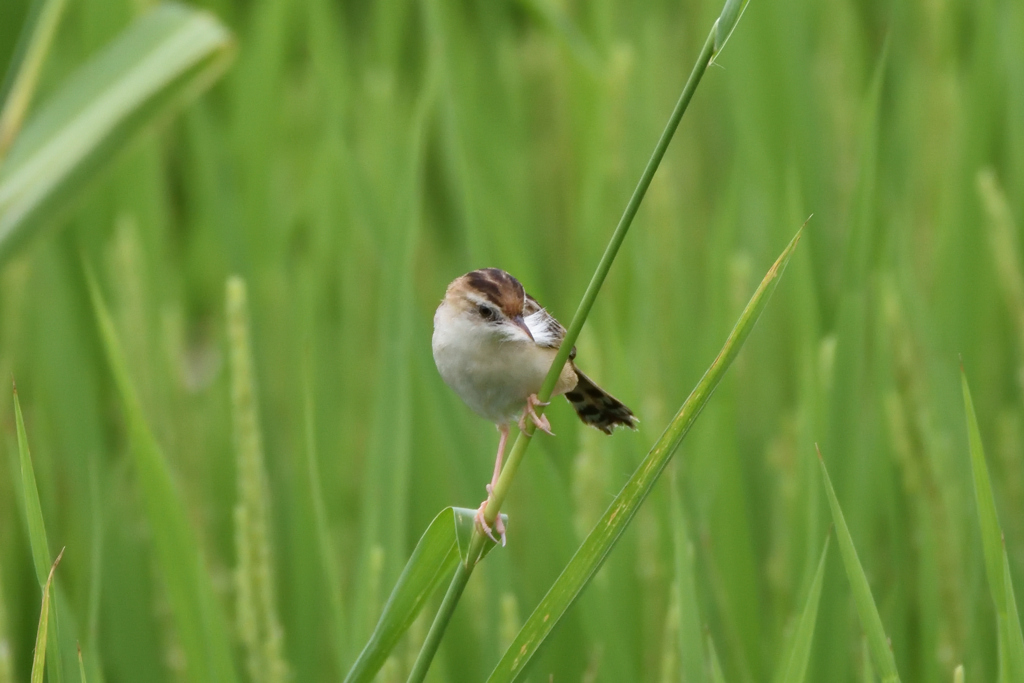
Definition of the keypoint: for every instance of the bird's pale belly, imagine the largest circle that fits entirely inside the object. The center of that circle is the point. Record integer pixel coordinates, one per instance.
(494, 380)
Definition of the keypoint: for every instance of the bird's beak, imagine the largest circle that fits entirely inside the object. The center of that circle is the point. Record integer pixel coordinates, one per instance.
(521, 324)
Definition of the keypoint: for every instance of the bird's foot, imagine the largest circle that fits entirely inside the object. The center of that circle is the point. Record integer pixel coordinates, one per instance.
(499, 526)
(530, 411)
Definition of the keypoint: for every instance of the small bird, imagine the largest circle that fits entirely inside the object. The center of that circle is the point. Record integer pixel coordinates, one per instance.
(494, 344)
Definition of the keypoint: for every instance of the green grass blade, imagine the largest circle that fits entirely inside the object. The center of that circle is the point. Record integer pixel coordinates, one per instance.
(691, 645)
(33, 509)
(958, 674)
(258, 621)
(732, 12)
(800, 650)
(37, 531)
(717, 675)
(1013, 638)
(39, 658)
(200, 625)
(23, 74)
(81, 667)
(326, 549)
(439, 549)
(1004, 245)
(988, 518)
(6, 665)
(870, 621)
(160, 62)
(595, 549)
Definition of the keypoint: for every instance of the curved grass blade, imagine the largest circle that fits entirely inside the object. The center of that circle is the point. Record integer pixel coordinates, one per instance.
(158, 63)
(988, 518)
(800, 650)
(730, 17)
(691, 646)
(440, 548)
(1011, 644)
(23, 76)
(37, 536)
(592, 553)
(81, 667)
(199, 623)
(325, 545)
(878, 643)
(33, 509)
(717, 675)
(1014, 637)
(39, 658)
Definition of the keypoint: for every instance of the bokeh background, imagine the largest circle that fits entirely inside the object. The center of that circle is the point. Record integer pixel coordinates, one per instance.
(360, 155)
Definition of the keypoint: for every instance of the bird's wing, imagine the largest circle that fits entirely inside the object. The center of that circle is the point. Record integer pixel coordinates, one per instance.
(545, 329)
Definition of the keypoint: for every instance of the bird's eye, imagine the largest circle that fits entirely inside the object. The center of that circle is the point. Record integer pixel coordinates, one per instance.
(486, 312)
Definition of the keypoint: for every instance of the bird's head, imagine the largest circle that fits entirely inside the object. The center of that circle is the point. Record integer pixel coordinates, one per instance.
(490, 300)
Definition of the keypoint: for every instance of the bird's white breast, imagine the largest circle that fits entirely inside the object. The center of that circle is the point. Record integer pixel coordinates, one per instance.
(491, 373)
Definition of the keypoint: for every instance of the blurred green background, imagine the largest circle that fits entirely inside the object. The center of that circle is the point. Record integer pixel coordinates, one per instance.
(360, 155)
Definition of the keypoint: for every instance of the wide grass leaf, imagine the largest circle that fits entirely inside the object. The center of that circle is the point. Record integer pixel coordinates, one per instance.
(870, 621)
(200, 624)
(599, 543)
(800, 649)
(159, 62)
(445, 542)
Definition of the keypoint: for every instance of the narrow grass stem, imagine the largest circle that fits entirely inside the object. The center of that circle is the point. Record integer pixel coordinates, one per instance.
(500, 491)
(444, 614)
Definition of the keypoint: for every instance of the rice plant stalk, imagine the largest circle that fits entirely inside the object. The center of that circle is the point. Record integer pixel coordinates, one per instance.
(258, 621)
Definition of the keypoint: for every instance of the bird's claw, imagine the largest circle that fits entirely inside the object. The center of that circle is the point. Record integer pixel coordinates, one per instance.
(499, 526)
(541, 421)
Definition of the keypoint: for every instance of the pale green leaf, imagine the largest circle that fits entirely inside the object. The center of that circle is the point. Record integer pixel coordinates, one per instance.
(991, 532)
(442, 545)
(159, 62)
(870, 621)
(1013, 637)
(730, 17)
(33, 510)
(800, 649)
(39, 657)
(23, 73)
(717, 675)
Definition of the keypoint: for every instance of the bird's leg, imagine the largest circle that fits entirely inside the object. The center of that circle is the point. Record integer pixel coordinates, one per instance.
(499, 526)
(530, 410)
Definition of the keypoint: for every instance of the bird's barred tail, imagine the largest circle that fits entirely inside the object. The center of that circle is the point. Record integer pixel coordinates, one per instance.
(597, 408)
